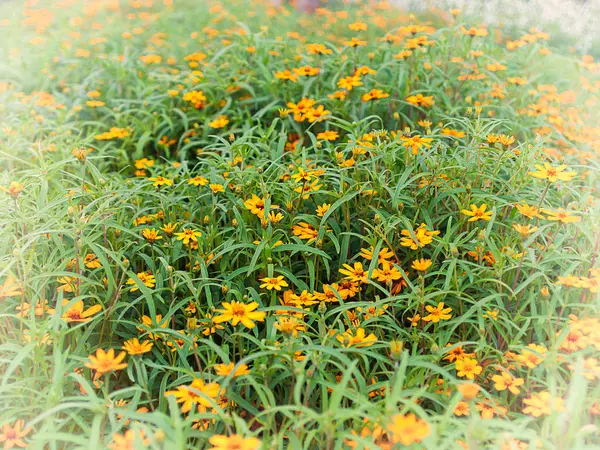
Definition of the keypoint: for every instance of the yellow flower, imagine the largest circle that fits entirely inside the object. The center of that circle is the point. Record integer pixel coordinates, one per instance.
(552, 174)
(273, 283)
(145, 277)
(135, 347)
(524, 230)
(322, 209)
(468, 367)
(91, 261)
(10, 288)
(41, 307)
(188, 235)
(286, 75)
(356, 273)
(315, 49)
(349, 82)
(423, 236)
(233, 442)
(224, 370)
(275, 217)
(531, 356)
(387, 273)
(506, 381)
(290, 325)
(542, 403)
(437, 313)
(104, 362)
(256, 205)
(128, 441)
(169, 228)
(196, 98)
(529, 211)
(407, 429)
(151, 235)
(462, 409)
(561, 216)
(305, 231)
(492, 315)
(414, 321)
(478, 213)
(216, 188)
(328, 135)
(238, 312)
(415, 143)
(421, 264)
(420, 100)
(358, 26)
(148, 323)
(196, 393)
(77, 313)
(383, 256)
(67, 284)
(374, 94)
(468, 390)
(161, 181)
(198, 181)
(358, 339)
(14, 189)
(219, 122)
(355, 42)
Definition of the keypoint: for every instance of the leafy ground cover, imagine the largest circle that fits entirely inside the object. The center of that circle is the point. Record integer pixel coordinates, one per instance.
(230, 225)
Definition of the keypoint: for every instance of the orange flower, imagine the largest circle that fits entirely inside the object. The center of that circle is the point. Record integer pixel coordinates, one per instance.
(77, 313)
(224, 370)
(407, 429)
(104, 362)
(12, 435)
(10, 288)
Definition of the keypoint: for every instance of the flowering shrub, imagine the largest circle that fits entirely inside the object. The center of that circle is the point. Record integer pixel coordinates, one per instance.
(229, 225)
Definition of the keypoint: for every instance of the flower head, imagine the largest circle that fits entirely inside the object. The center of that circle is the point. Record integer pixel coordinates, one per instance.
(553, 174)
(135, 347)
(233, 442)
(407, 429)
(224, 370)
(271, 283)
(477, 213)
(12, 435)
(104, 362)
(437, 313)
(468, 368)
(238, 312)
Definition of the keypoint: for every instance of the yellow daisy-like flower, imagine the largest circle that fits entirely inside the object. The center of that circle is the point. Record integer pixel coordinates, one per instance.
(238, 312)
(421, 264)
(233, 442)
(357, 339)
(145, 277)
(135, 347)
(104, 362)
(477, 213)
(224, 370)
(468, 368)
(553, 174)
(271, 283)
(437, 313)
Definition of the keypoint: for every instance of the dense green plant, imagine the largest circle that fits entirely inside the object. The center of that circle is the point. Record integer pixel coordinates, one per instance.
(346, 229)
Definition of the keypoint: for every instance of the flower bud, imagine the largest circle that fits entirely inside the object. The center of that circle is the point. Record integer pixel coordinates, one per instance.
(322, 308)
(396, 348)
(159, 436)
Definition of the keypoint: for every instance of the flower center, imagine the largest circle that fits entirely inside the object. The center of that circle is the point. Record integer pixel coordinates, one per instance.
(239, 310)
